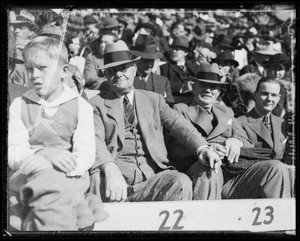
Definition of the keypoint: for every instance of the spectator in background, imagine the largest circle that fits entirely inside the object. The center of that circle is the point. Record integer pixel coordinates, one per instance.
(112, 25)
(25, 29)
(91, 32)
(263, 51)
(94, 78)
(126, 33)
(247, 85)
(146, 48)
(178, 70)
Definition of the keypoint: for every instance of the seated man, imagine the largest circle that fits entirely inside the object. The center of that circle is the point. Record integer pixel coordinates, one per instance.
(131, 157)
(217, 124)
(94, 78)
(264, 128)
(51, 145)
(179, 69)
(146, 48)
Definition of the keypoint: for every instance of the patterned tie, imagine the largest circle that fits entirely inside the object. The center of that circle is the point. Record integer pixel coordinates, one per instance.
(128, 109)
(267, 123)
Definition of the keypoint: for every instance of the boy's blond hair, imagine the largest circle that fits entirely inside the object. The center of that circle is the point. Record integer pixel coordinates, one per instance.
(54, 48)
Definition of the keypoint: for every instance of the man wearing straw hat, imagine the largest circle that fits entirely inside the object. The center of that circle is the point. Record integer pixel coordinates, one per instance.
(131, 157)
(267, 179)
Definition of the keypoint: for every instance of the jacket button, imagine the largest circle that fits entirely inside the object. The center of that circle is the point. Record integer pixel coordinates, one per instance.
(119, 149)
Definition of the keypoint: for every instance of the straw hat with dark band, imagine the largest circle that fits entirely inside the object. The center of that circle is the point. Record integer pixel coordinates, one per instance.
(116, 54)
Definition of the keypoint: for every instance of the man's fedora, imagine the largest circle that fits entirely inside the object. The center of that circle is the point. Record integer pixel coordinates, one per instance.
(146, 47)
(181, 42)
(116, 54)
(226, 56)
(209, 73)
(110, 22)
(224, 41)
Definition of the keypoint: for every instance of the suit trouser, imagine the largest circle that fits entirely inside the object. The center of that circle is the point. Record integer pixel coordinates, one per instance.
(167, 185)
(50, 199)
(266, 179)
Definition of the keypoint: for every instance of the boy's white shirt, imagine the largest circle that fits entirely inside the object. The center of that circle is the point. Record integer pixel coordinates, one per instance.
(83, 139)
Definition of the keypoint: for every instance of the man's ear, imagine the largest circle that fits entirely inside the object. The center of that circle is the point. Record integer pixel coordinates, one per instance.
(65, 71)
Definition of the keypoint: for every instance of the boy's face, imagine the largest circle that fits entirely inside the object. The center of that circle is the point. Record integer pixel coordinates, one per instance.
(45, 78)
(267, 97)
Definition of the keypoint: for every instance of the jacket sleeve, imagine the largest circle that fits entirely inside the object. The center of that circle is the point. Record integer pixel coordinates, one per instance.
(102, 153)
(181, 128)
(169, 98)
(239, 132)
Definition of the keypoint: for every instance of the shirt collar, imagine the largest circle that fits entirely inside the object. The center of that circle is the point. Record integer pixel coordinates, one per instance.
(67, 95)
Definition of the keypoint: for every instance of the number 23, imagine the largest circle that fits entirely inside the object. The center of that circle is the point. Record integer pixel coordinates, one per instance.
(269, 214)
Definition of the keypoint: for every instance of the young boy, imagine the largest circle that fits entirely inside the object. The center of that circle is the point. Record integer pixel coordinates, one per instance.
(51, 143)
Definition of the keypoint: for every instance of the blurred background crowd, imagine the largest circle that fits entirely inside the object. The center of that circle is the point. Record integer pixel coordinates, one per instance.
(246, 44)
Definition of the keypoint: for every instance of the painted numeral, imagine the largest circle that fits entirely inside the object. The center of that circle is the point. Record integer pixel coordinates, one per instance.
(176, 226)
(269, 214)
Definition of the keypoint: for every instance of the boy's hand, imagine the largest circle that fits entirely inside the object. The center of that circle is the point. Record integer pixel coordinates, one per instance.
(62, 159)
(34, 164)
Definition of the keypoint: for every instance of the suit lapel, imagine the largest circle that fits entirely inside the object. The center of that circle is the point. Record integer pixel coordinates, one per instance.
(200, 117)
(259, 128)
(115, 111)
(143, 113)
(222, 119)
(157, 83)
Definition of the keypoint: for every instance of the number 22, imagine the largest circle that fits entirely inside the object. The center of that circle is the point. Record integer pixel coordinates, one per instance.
(175, 226)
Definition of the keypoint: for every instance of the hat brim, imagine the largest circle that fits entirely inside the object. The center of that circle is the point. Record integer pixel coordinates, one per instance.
(209, 81)
(117, 63)
(265, 52)
(180, 47)
(236, 64)
(226, 46)
(112, 26)
(156, 55)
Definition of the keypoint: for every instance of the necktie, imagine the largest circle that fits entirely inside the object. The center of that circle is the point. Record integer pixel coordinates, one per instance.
(267, 123)
(128, 109)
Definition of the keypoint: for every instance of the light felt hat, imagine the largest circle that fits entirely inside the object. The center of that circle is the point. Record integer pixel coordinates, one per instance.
(209, 73)
(116, 54)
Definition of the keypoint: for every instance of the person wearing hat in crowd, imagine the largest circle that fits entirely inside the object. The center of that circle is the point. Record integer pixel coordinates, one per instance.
(225, 135)
(126, 32)
(146, 48)
(94, 78)
(263, 51)
(264, 128)
(131, 157)
(25, 29)
(111, 24)
(91, 32)
(178, 70)
(144, 28)
(222, 42)
(228, 66)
